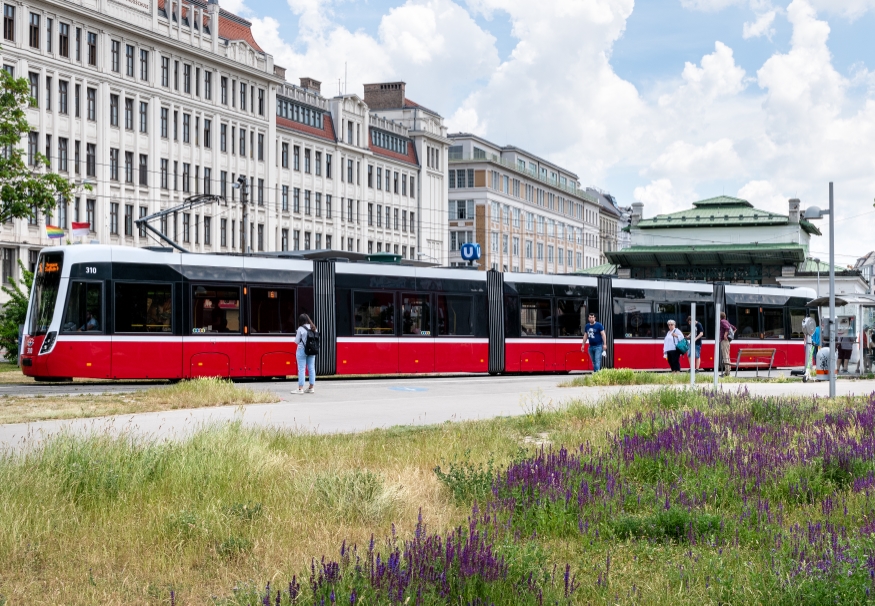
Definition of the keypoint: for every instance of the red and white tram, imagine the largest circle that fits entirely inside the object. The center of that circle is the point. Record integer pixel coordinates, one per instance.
(126, 313)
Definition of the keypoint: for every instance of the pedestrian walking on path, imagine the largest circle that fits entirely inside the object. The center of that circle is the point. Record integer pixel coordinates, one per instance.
(594, 339)
(307, 339)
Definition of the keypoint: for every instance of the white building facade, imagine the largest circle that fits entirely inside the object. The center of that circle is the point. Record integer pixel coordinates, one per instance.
(149, 102)
(527, 214)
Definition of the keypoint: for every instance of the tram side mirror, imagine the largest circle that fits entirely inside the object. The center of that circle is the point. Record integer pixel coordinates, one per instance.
(825, 324)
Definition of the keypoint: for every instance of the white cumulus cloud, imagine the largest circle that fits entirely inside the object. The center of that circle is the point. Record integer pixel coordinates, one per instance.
(761, 27)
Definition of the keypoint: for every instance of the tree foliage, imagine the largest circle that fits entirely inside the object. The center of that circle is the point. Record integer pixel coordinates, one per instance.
(23, 189)
(14, 312)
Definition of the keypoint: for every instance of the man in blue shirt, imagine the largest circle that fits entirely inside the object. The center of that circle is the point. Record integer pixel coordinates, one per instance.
(595, 338)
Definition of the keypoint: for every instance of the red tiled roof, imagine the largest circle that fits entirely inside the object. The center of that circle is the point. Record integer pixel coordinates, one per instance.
(410, 158)
(231, 27)
(326, 132)
(409, 103)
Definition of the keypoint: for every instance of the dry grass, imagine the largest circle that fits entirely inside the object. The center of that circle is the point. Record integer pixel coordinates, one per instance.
(198, 393)
(117, 522)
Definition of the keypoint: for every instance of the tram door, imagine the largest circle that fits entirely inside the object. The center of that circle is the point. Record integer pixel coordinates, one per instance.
(416, 345)
(215, 346)
(146, 342)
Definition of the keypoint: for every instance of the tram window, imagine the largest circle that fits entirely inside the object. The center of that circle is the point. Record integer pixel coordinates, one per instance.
(535, 318)
(415, 315)
(84, 311)
(45, 292)
(748, 324)
(634, 319)
(773, 322)
(215, 310)
(273, 310)
(797, 316)
(374, 313)
(570, 317)
(143, 307)
(454, 316)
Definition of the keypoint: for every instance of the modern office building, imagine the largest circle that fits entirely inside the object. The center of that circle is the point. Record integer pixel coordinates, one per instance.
(145, 103)
(527, 214)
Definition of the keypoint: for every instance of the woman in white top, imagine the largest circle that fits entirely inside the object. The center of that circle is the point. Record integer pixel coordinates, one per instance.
(669, 346)
(305, 361)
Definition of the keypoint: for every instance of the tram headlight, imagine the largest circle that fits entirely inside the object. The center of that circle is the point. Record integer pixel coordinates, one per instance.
(49, 342)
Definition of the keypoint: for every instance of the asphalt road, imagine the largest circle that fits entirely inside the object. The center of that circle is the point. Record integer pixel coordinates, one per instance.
(359, 405)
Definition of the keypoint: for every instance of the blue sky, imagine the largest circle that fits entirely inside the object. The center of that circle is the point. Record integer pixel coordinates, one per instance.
(664, 101)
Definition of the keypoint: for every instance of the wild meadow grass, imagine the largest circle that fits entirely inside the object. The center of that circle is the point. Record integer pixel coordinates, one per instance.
(674, 496)
(197, 393)
(627, 376)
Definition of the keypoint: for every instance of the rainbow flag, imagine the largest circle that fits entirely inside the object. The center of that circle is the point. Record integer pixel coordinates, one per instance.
(54, 232)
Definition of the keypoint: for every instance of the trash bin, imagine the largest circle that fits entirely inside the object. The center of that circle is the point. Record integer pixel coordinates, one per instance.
(822, 364)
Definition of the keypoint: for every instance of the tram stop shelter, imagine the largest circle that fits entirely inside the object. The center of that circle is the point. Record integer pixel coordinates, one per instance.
(855, 331)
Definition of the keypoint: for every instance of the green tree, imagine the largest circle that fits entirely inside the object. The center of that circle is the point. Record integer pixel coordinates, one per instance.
(14, 312)
(23, 189)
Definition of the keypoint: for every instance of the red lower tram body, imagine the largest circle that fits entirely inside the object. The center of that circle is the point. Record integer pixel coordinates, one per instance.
(179, 357)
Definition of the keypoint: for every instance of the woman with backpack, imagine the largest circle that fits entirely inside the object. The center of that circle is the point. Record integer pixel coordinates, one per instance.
(307, 339)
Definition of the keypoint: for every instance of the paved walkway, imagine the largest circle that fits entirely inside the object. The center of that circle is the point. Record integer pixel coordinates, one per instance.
(360, 405)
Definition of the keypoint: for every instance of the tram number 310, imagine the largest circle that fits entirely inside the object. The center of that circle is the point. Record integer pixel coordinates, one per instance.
(90, 270)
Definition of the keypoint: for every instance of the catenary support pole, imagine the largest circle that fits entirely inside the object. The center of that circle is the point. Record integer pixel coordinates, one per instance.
(693, 344)
(716, 344)
(833, 325)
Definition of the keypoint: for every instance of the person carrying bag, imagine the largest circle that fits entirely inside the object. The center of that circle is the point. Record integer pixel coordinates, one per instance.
(308, 341)
(670, 346)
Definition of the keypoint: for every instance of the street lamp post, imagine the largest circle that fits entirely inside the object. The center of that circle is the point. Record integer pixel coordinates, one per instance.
(243, 185)
(813, 212)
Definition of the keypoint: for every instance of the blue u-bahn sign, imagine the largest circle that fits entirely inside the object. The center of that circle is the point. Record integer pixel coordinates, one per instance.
(470, 251)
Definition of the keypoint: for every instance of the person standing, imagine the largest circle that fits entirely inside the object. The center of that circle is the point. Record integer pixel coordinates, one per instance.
(670, 346)
(306, 327)
(725, 329)
(595, 340)
(699, 331)
(815, 345)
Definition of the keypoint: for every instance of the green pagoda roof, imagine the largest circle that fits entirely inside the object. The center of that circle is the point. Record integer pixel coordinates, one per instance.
(722, 211)
(605, 269)
(709, 254)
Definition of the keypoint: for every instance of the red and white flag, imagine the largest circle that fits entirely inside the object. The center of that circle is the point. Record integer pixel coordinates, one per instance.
(80, 229)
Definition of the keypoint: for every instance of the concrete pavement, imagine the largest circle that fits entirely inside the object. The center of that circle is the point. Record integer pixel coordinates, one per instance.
(360, 405)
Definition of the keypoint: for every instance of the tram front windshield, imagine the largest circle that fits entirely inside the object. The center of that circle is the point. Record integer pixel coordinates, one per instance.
(45, 292)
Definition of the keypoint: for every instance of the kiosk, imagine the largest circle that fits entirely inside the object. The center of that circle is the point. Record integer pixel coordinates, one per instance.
(855, 335)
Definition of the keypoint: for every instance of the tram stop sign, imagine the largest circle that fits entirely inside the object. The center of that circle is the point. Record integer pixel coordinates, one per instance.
(470, 251)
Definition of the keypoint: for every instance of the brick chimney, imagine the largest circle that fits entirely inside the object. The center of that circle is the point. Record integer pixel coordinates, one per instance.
(314, 86)
(794, 210)
(637, 212)
(388, 95)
